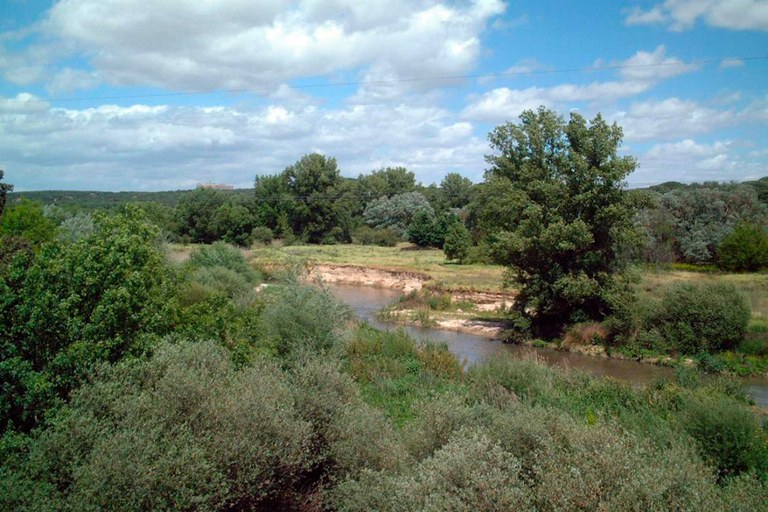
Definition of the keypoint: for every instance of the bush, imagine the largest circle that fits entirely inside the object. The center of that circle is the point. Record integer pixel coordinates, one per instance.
(383, 237)
(262, 235)
(701, 318)
(744, 250)
(220, 254)
(727, 435)
(299, 319)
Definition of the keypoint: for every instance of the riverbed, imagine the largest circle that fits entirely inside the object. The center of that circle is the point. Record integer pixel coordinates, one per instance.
(366, 301)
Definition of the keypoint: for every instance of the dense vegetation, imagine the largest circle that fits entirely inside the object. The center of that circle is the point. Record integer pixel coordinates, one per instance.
(129, 382)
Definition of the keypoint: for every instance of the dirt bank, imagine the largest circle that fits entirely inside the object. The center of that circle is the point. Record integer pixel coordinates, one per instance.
(367, 276)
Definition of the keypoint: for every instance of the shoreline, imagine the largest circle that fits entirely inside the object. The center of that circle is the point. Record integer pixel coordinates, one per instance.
(483, 301)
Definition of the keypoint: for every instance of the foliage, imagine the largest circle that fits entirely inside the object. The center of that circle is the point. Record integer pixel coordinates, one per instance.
(220, 254)
(396, 212)
(456, 190)
(688, 223)
(312, 182)
(745, 249)
(422, 230)
(694, 318)
(566, 218)
(4, 189)
(726, 434)
(26, 219)
(74, 228)
(386, 182)
(301, 319)
(69, 306)
(195, 214)
(457, 242)
(384, 237)
(262, 235)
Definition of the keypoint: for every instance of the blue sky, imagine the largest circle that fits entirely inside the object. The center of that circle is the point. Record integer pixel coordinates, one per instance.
(161, 95)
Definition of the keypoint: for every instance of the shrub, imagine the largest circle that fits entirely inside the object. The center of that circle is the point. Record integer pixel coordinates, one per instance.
(383, 237)
(727, 435)
(220, 254)
(218, 279)
(707, 317)
(302, 319)
(744, 250)
(262, 235)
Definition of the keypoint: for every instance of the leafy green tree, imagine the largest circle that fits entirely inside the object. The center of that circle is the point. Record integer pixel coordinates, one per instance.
(274, 203)
(386, 182)
(396, 212)
(745, 249)
(570, 216)
(312, 181)
(4, 189)
(68, 306)
(195, 214)
(457, 242)
(429, 230)
(26, 219)
(456, 189)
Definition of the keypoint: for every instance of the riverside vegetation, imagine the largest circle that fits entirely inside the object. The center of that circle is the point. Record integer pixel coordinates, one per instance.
(132, 381)
(215, 396)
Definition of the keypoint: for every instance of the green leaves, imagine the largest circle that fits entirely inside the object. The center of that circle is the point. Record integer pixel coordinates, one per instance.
(560, 215)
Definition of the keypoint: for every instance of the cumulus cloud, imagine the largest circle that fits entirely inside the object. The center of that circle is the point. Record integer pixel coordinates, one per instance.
(670, 118)
(681, 15)
(688, 161)
(143, 147)
(233, 44)
(638, 74)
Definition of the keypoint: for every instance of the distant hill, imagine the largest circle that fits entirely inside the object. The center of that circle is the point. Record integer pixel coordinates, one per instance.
(86, 200)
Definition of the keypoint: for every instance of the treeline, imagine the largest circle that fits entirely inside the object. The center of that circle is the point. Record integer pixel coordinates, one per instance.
(129, 382)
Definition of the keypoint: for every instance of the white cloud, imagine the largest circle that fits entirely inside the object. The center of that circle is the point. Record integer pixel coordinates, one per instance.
(165, 147)
(69, 80)
(670, 118)
(688, 161)
(639, 73)
(243, 44)
(681, 15)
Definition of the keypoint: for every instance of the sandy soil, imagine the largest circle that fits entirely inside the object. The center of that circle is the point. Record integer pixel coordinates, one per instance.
(367, 276)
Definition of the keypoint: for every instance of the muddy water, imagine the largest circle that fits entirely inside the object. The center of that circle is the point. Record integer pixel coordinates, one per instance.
(367, 301)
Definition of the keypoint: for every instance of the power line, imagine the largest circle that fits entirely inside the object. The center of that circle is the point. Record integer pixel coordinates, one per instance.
(587, 69)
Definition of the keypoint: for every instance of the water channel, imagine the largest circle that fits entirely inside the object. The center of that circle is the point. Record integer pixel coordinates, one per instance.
(366, 301)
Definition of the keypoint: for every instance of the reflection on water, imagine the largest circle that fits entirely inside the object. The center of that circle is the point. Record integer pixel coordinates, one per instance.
(367, 301)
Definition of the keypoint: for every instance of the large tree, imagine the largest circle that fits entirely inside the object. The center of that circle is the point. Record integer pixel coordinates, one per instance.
(567, 218)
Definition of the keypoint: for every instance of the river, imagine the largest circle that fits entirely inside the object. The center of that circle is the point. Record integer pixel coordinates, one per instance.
(366, 301)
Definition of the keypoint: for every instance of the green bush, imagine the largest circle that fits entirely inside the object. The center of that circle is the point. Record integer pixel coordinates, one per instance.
(302, 319)
(694, 318)
(262, 235)
(744, 250)
(727, 435)
(218, 279)
(220, 254)
(383, 237)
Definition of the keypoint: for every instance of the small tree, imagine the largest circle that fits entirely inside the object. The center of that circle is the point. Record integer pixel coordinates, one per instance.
(457, 242)
(745, 249)
(26, 219)
(571, 214)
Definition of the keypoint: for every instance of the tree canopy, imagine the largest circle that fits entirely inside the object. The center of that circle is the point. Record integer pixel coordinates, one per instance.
(567, 218)
(4, 189)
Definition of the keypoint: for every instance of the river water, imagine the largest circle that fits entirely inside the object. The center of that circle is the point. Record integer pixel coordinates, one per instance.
(366, 301)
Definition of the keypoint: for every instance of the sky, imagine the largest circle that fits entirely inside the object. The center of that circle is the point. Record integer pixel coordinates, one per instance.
(165, 94)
